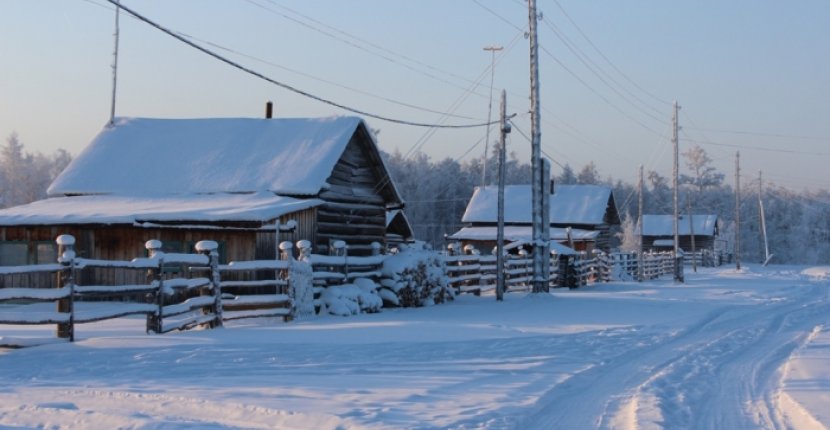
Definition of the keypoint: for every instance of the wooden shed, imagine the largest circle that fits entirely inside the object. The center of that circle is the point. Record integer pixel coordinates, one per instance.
(233, 180)
(658, 232)
(581, 216)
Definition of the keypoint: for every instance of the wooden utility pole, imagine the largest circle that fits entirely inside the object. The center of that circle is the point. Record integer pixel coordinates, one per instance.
(640, 224)
(767, 255)
(541, 227)
(115, 63)
(504, 126)
(691, 230)
(493, 49)
(737, 210)
(678, 269)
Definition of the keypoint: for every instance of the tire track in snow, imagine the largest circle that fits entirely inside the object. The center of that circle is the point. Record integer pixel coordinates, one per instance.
(720, 373)
(732, 381)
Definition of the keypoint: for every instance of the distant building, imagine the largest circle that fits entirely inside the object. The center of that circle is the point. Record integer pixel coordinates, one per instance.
(582, 217)
(658, 232)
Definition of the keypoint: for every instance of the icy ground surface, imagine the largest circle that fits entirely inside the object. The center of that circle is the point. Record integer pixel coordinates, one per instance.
(726, 350)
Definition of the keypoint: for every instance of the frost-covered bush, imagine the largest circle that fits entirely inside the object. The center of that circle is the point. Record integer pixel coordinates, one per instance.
(351, 299)
(414, 277)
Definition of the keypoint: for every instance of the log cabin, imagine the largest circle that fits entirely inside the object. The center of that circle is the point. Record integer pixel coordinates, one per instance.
(237, 181)
(658, 232)
(583, 217)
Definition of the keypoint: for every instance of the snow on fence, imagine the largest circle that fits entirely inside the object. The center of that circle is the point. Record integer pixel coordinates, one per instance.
(205, 293)
(656, 264)
(170, 301)
(344, 284)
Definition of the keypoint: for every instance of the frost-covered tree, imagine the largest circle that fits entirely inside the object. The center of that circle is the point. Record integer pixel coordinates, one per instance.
(659, 199)
(24, 177)
(588, 175)
(703, 174)
(629, 239)
(568, 177)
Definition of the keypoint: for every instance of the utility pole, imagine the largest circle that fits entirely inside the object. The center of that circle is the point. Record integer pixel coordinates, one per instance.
(493, 49)
(737, 210)
(691, 229)
(541, 227)
(504, 127)
(640, 223)
(767, 255)
(678, 269)
(115, 62)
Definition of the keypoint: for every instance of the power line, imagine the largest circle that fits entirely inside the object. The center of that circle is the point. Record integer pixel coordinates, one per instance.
(326, 81)
(284, 85)
(597, 93)
(758, 148)
(383, 54)
(604, 57)
(757, 133)
(497, 15)
(602, 75)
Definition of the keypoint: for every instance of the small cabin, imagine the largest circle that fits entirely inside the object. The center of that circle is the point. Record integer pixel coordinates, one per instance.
(246, 183)
(658, 232)
(582, 217)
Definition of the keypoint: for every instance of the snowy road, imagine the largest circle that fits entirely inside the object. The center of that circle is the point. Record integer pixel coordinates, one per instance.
(724, 351)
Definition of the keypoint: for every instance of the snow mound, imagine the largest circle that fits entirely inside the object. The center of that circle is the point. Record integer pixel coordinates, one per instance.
(351, 299)
(818, 273)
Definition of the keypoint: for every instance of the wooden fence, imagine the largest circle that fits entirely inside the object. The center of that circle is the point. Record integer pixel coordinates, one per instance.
(473, 273)
(182, 291)
(173, 298)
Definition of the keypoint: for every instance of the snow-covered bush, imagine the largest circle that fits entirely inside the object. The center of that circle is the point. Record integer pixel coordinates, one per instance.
(351, 299)
(414, 277)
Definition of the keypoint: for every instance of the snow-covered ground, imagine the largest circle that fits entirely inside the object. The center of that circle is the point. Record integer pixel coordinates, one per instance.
(726, 350)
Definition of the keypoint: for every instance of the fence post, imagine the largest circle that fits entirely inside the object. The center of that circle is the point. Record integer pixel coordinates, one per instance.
(153, 247)
(286, 254)
(210, 249)
(66, 278)
(376, 248)
(340, 249)
(304, 247)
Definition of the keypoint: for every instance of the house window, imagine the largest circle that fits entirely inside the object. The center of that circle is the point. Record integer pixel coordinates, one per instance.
(14, 253)
(46, 252)
(21, 253)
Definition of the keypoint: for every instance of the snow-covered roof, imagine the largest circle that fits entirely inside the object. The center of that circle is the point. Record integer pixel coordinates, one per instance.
(518, 236)
(570, 204)
(141, 156)
(663, 225)
(520, 233)
(106, 209)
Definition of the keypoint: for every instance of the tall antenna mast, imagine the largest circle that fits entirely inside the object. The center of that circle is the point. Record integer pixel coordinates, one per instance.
(493, 49)
(115, 62)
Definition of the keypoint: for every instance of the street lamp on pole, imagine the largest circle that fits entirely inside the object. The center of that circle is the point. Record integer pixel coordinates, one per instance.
(493, 49)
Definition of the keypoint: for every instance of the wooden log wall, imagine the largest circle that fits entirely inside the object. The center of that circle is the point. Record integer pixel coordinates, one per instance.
(355, 208)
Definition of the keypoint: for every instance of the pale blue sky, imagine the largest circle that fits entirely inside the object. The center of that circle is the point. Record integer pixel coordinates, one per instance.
(757, 66)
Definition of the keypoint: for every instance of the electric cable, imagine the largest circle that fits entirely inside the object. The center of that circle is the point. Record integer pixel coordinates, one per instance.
(284, 85)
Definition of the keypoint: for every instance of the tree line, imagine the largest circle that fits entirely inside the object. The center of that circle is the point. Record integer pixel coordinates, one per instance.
(436, 194)
(25, 176)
